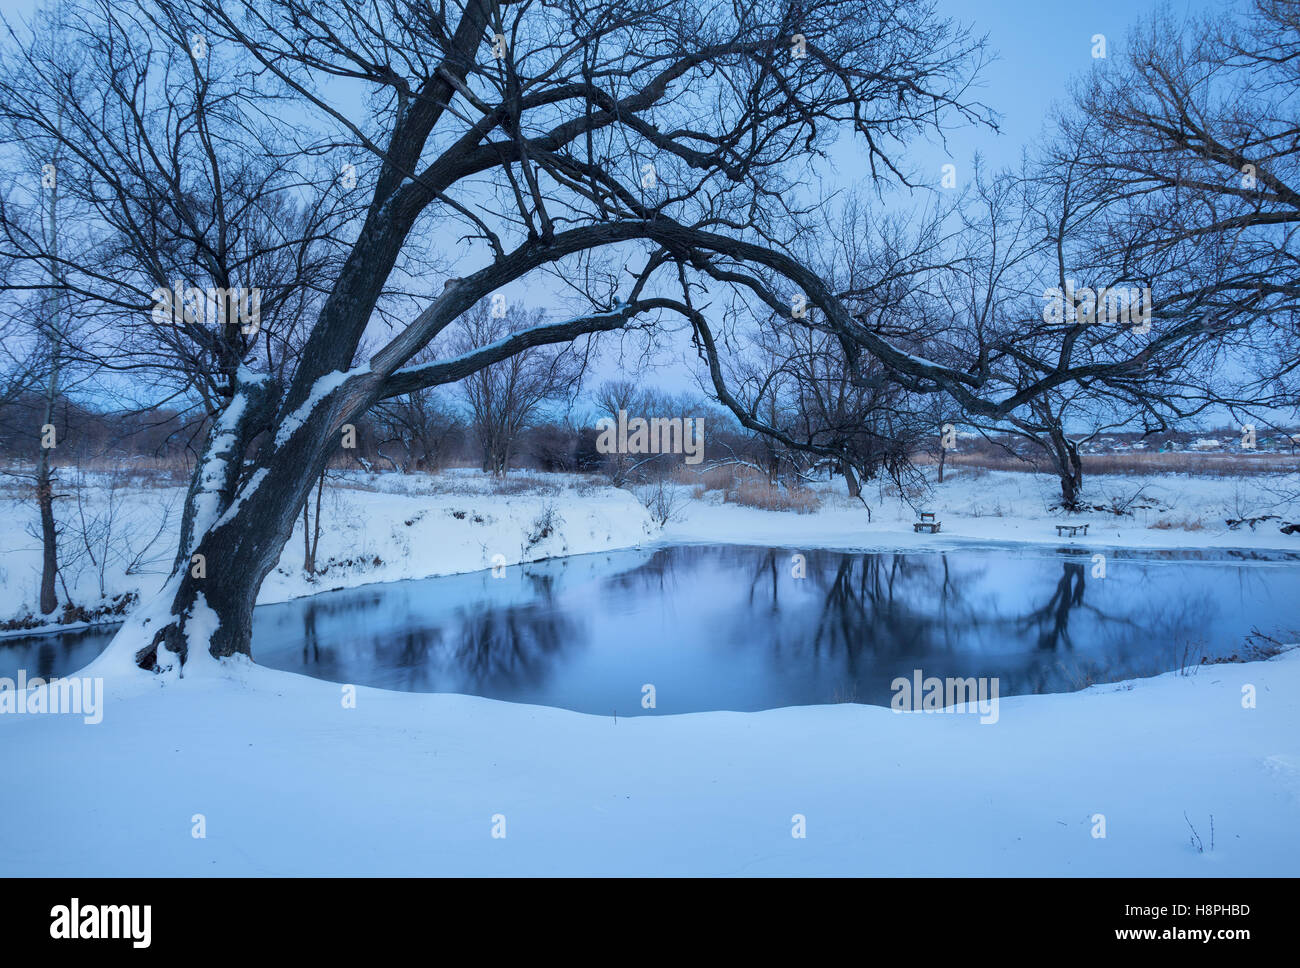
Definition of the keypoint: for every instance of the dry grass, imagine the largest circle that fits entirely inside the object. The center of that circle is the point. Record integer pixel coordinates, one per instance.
(1205, 465)
(719, 478)
(523, 484)
(1141, 463)
(750, 488)
(1179, 524)
(970, 471)
(758, 493)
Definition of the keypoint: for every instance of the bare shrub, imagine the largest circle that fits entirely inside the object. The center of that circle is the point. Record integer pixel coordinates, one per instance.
(1258, 646)
(546, 523)
(662, 500)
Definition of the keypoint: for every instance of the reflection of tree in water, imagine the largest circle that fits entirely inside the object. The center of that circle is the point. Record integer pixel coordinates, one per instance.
(52, 653)
(658, 573)
(310, 643)
(321, 662)
(1125, 638)
(1053, 618)
(486, 647)
(766, 569)
(870, 601)
(876, 608)
(494, 647)
(413, 653)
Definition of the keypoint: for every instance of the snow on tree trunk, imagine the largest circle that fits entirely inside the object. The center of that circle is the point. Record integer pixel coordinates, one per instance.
(213, 482)
(236, 531)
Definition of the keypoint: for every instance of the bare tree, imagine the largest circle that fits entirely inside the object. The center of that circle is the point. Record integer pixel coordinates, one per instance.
(610, 398)
(504, 397)
(421, 423)
(536, 128)
(52, 326)
(1191, 137)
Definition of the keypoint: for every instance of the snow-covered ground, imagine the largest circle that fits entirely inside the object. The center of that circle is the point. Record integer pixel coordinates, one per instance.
(285, 776)
(285, 780)
(1174, 511)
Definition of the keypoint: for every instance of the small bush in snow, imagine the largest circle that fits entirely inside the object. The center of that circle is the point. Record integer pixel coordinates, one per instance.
(543, 526)
(662, 500)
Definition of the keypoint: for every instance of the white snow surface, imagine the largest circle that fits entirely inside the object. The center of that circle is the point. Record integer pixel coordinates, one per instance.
(1187, 512)
(288, 781)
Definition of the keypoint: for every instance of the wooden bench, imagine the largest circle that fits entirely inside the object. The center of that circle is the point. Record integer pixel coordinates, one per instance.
(1073, 529)
(927, 523)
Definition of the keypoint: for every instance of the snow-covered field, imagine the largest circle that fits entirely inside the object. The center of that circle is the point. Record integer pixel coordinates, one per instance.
(283, 775)
(285, 780)
(1174, 511)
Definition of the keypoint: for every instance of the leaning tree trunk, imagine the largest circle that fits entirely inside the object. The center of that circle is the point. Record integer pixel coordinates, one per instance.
(238, 518)
(213, 594)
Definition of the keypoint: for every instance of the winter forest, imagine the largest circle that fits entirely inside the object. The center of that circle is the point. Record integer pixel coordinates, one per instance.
(655, 437)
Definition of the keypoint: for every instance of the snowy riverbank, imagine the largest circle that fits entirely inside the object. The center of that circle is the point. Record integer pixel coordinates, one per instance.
(288, 781)
(375, 528)
(1173, 511)
(388, 527)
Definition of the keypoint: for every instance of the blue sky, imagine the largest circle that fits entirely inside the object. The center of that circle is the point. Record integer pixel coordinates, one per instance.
(1040, 46)
(1037, 49)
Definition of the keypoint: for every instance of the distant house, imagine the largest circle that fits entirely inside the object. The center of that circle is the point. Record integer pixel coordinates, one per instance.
(1207, 443)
